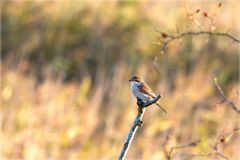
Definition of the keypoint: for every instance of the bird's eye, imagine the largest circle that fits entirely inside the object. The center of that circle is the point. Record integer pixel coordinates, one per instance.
(136, 80)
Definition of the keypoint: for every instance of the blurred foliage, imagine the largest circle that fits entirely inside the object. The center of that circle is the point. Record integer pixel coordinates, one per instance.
(76, 41)
(65, 70)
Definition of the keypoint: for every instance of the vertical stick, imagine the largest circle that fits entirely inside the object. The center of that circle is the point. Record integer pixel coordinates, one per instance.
(138, 119)
(131, 135)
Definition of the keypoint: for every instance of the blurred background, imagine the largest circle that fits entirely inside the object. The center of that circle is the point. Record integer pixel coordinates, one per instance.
(65, 68)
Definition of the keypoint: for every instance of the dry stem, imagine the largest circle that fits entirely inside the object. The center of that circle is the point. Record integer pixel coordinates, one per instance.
(135, 125)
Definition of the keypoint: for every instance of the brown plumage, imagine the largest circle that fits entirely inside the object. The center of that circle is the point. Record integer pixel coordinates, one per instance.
(144, 88)
(142, 91)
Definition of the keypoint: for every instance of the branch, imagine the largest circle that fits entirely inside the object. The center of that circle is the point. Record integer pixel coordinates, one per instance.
(223, 138)
(137, 122)
(191, 144)
(225, 99)
(215, 151)
(166, 38)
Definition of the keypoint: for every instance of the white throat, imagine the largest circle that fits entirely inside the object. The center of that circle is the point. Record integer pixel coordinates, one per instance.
(134, 83)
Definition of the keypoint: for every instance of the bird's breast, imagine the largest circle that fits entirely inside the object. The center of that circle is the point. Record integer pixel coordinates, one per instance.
(139, 94)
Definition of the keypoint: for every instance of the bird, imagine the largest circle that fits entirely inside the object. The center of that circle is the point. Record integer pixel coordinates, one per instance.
(142, 91)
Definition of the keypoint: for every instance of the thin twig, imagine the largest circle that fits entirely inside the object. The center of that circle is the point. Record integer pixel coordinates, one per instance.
(191, 144)
(231, 132)
(225, 99)
(169, 38)
(223, 139)
(135, 125)
(222, 155)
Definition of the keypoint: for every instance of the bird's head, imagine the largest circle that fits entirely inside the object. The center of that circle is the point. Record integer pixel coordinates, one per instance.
(136, 79)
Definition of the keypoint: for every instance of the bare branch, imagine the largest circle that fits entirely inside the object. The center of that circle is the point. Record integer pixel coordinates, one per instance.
(223, 138)
(191, 144)
(233, 131)
(169, 38)
(222, 155)
(137, 122)
(225, 99)
(208, 155)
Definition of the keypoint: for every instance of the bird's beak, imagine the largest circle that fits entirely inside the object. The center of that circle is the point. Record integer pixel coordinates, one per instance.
(130, 80)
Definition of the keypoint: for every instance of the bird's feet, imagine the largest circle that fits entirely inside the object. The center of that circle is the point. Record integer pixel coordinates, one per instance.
(140, 104)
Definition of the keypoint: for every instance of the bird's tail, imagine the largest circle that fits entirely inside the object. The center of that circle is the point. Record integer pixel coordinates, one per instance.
(161, 108)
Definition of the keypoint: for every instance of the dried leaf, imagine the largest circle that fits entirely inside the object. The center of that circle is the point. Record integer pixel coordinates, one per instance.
(205, 14)
(198, 10)
(224, 139)
(164, 35)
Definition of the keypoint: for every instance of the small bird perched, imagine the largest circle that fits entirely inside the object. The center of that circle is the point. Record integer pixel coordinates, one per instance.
(142, 91)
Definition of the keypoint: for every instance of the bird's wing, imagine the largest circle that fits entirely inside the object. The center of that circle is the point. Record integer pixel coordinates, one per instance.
(146, 90)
